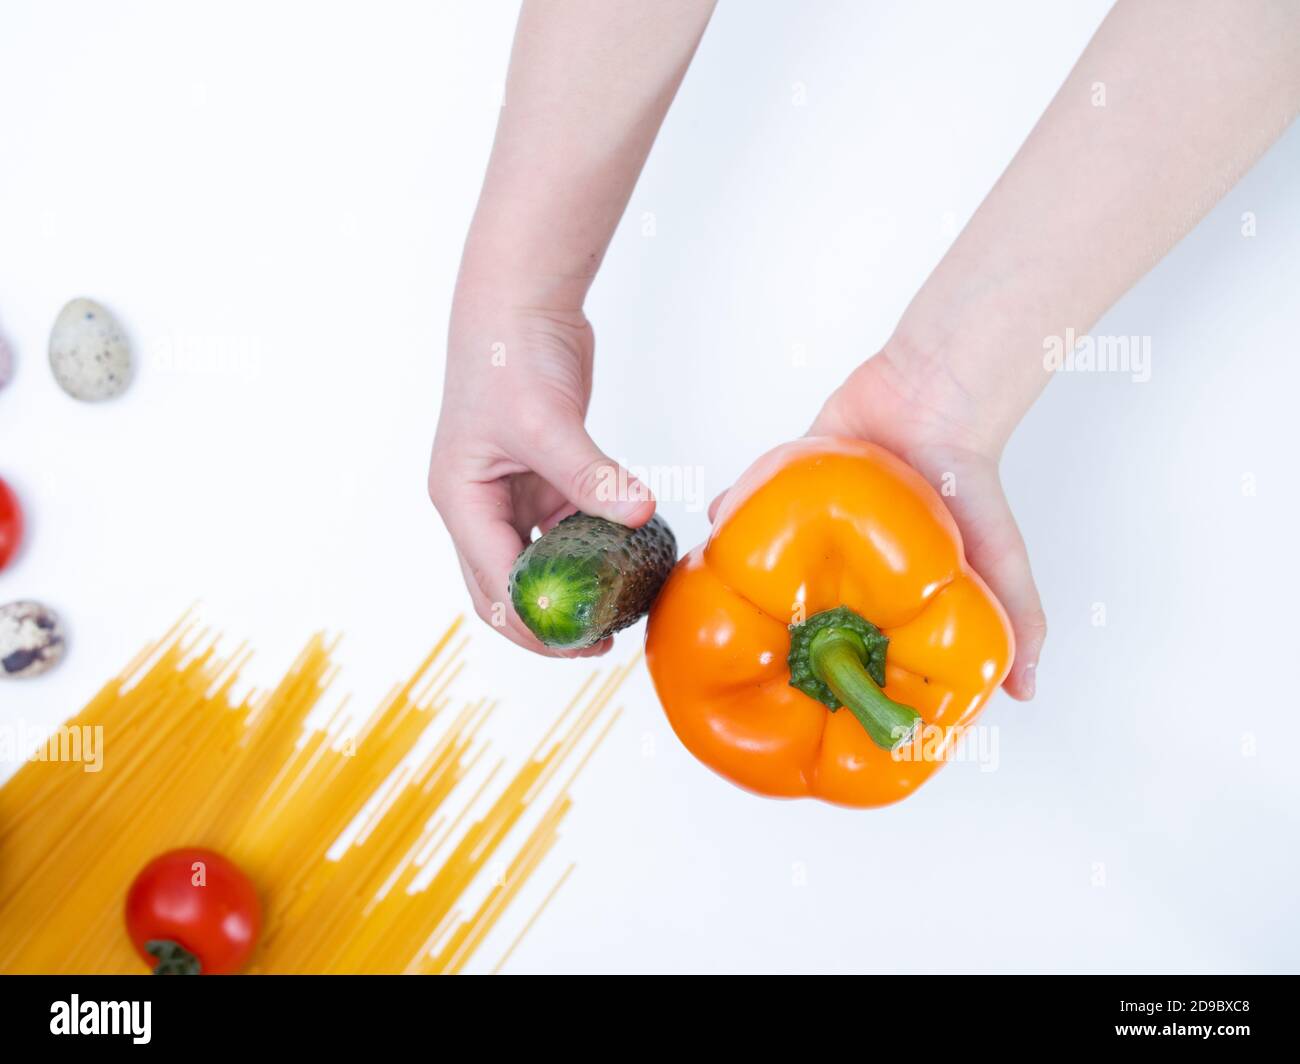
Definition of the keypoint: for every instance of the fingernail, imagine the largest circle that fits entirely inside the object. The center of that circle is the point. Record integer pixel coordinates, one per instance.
(627, 508)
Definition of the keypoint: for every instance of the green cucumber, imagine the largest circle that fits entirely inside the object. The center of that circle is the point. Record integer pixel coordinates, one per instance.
(588, 577)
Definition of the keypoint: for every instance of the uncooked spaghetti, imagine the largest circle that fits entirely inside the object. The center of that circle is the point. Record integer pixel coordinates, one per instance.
(364, 856)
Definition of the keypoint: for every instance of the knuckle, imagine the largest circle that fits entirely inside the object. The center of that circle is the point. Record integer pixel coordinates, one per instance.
(1035, 624)
(438, 483)
(474, 579)
(482, 609)
(594, 480)
(536, 426)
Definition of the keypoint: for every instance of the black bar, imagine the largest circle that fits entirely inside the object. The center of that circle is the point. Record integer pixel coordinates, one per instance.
(363, 1014)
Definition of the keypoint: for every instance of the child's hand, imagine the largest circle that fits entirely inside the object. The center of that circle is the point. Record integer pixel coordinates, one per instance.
(1168, 106)
(589, 84)
(511, 452)
(913, 409)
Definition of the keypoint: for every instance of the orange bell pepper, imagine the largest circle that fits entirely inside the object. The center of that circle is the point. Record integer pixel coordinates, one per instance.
(834, 577)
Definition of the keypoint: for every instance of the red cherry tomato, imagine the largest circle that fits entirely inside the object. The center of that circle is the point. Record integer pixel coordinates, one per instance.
(11, 524)
(192, 912)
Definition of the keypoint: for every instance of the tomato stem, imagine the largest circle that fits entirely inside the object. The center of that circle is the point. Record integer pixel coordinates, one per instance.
(173, 958)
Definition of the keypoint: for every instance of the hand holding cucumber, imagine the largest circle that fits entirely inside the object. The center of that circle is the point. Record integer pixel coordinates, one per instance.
(588, 86)
(511, 453)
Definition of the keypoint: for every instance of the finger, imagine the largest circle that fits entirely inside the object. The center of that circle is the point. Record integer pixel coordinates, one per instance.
(713, 506)
(597, 650)
(500, 616)
(518, 633)
(555, 517)
(487, 546)
(536, 505)
(996, 549)
(589, 480)
(478, 517)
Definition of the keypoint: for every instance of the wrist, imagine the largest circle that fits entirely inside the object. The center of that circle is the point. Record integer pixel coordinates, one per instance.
(532, 250)
(972, 383)
(906, 399)
(495, 314)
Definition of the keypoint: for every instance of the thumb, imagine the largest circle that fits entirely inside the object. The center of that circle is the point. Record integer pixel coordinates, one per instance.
(572, 464)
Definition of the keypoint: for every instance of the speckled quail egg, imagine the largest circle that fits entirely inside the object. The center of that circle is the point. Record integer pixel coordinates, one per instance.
(89, 353)
(31, 640)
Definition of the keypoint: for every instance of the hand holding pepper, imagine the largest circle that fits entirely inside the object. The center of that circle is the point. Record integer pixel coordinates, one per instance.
(830, 616)
(907, 404)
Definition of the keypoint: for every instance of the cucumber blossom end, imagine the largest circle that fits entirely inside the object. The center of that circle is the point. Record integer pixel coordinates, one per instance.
(587, 578)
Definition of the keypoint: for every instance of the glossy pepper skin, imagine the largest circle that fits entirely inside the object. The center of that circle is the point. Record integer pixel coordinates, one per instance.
(814, 525)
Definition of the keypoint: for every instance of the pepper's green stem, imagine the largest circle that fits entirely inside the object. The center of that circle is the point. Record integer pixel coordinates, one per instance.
(839, 659)
(173, 958)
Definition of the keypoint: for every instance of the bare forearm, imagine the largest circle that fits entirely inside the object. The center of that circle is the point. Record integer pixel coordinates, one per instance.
(1169, 105)
(590, 82)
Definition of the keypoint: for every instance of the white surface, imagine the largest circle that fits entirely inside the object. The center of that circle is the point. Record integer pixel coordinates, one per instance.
(294, 182)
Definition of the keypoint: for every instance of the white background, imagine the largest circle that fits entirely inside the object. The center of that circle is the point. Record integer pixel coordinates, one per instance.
(295, 181)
